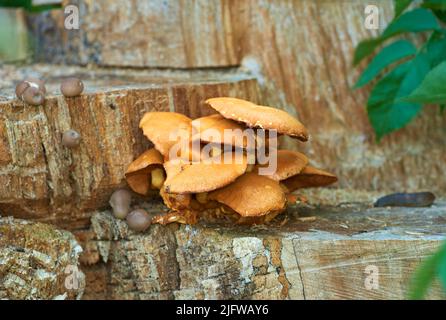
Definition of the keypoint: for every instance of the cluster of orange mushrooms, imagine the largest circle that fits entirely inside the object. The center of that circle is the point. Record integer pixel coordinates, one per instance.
(219, 190)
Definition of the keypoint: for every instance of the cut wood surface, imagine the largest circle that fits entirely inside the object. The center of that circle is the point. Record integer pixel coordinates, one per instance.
(42, 179)
(310, 252)
(301, 53)
(38, 261)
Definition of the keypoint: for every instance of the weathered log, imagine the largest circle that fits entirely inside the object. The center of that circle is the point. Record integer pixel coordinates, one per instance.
(37, 261)
(351, 251)
(300, 52)
(42, 179)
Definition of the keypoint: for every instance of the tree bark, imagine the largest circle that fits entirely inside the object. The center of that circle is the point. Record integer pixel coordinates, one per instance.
(301, 54)
(41, 179)
(38, 261)
(310, 252)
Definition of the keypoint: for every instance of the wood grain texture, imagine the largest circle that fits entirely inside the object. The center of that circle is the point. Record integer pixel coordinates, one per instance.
(301, 54)
(35, 261)
(321, 258)
(42, 179)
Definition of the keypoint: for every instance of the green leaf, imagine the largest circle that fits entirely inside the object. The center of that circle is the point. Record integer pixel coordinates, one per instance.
(386, 113)
(400, 6)
(442, 108)
(440, 14)
(388, 55)
(28, 5)
(432, 89)
(416, 20)
(441, 270)
(426, 273)
(15, 3)
(435, 48)
(434, 4)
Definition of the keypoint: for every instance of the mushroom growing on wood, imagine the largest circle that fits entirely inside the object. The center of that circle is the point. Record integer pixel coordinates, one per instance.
(289, 163)
(31, 91)
(146, 171)
(226, 182)
(252, 195)
(33, 96)
(71, 87)
(309, 177)
(120, 202)
(139, 220)
(211, 129)
(204, 177)
(30, 82)
(256, 116)
(165, 129)
(71, 138)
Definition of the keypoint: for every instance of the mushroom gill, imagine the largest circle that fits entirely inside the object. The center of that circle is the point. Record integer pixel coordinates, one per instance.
(138, 174)
(309, 177)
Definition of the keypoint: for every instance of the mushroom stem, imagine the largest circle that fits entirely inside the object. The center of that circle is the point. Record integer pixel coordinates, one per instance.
(202, 197)
(157, 178)
(215, 152)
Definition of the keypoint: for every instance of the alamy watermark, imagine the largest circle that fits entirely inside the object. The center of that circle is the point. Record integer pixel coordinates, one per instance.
(74, 277)
(371, 21)
(371, 281)
(71, 17)
(253, 146)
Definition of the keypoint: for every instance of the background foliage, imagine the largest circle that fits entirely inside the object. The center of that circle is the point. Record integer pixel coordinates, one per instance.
(27, 5)
(405, 76)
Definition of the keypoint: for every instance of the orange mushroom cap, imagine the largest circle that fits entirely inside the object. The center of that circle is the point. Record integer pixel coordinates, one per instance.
(309, 177)
(203, 176)
(165, 129)
(289, 163)
(259, 116)
(252, 195)
(211, 129)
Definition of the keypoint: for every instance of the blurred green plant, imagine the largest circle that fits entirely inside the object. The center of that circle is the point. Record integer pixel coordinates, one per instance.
(15, 40)
(28, 5)
(406, 77)
(432, 268)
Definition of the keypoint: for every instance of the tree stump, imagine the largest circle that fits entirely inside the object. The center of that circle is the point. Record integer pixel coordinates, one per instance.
(41, 179)
(300, 52)
(37, 261)
(349, 251)
(141, 56)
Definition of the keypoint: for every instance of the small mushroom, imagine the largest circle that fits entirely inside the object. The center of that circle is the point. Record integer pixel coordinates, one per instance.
(33, 96)
(138, 174)
(38, 84)
(71, 87)
(166, 129)
(202, 197)
(256, 116)
(71, 138)
(120, 202)
(252, 195)
(309, 177)
(20, 88)
(158, 178)
(139, 220)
